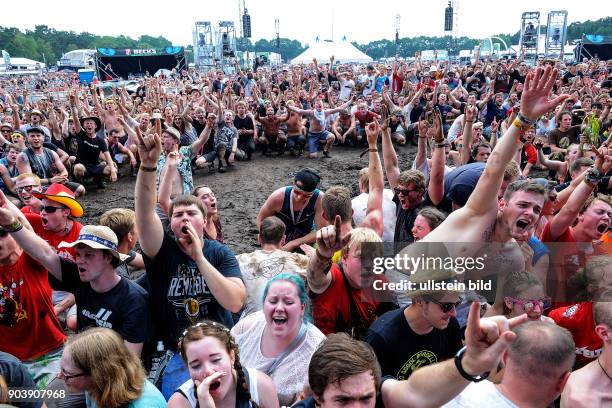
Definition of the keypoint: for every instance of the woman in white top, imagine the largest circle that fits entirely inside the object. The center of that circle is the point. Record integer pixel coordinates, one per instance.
(279, 340)
(217, 377)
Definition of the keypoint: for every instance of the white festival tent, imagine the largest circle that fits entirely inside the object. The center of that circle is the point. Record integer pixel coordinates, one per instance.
(343, 51)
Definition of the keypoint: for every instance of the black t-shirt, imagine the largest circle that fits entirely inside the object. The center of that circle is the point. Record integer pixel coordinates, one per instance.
(181, 294)
(124, 308)
(515, 76)
(245, 123)
(405, 221)
(90, 148)
(401, 351)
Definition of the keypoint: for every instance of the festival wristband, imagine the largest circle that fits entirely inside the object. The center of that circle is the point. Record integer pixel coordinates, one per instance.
(458, 359)
(148, 169)
(13, 227)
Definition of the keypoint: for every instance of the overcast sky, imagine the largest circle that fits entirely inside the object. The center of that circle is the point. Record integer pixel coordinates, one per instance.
(358, 20)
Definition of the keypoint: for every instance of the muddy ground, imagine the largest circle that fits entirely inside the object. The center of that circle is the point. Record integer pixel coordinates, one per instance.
(242, 190)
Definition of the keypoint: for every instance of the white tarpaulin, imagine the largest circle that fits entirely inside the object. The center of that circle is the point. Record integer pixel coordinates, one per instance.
(343, 51)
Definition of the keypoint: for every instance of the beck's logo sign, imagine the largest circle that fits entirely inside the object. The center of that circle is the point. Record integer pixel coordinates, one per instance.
(142, 52)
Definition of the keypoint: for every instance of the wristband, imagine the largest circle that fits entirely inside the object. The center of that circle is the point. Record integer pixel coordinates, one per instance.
(321, 257)
(148, 169)
(458, 358)
(372, 150)
(441, 144)
(13, 226)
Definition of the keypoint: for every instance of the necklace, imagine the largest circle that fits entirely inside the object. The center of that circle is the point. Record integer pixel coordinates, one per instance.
(603, 369)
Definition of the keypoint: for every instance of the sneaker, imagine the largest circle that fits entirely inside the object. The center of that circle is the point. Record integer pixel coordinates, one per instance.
(221, 168)
(101, 184)
(326, 154)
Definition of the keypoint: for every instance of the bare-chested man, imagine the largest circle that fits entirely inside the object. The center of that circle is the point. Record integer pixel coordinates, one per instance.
(272, 136)
(591, 386)
(317, 132)
(483, 220)
(295, 131)
(109, 115)
(344, 127)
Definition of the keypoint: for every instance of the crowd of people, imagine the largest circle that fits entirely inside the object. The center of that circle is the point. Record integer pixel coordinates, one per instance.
(150, 307)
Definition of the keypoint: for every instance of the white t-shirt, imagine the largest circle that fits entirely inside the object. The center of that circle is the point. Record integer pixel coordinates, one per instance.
(292, 373)
(360, 206)
(346, 87)
(258, 267)
(480, 394)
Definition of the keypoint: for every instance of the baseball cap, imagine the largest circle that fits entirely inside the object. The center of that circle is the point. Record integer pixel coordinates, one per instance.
(307, 180)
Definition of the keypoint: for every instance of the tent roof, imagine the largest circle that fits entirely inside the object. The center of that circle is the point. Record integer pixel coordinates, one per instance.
(343, 51)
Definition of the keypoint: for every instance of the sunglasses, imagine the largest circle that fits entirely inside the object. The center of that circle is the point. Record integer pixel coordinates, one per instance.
(404, 191)
(26, 188)
(49, 209)
(544, 303)
(446, 307)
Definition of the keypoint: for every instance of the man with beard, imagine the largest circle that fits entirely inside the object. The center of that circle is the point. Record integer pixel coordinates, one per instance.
(44, 162)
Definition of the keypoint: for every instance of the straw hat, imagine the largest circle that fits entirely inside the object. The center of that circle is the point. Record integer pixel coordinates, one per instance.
(97, 237)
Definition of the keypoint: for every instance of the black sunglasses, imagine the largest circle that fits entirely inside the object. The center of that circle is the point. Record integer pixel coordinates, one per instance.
(404, 191)
(49, 209)
(446, 307)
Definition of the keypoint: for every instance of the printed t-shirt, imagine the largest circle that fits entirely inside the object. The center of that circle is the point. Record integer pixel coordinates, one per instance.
(401, 351)
(181, 295)
(578, 319)
(124, 308)
(28, 325)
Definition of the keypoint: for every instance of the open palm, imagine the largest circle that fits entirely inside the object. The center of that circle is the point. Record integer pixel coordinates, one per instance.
(534, 100)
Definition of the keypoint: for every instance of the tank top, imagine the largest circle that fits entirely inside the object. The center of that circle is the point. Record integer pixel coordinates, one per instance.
(299, 223)
(188, 391)
(42, 165)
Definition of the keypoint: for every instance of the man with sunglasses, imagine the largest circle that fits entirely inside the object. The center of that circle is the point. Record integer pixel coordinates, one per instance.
(25, 185)
(426, 332)
(299, 207)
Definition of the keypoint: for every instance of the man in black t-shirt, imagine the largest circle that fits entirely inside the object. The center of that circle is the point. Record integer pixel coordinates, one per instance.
(246, 130)
(426, 332)
(90, 145)
(103, 298)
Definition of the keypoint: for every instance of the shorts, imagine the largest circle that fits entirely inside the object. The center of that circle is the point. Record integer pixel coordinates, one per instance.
(315, 138)
(298, 140)
(94, 170)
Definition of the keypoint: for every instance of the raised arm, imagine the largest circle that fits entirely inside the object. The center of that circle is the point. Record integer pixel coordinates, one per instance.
(534, 102)
(345, 105)
(148, 223)
(374, 212)
(434, 385)
(435, 186)
(31, 243)
(468, 121)
(390, 160)
(328, 242)
(204, 135)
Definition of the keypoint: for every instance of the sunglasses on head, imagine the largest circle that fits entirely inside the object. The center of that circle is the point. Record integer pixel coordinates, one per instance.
(446, 307)
(49, 209)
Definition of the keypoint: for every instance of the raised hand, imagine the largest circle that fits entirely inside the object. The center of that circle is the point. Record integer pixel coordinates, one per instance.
(149, 148)
(535, 97)
(436, 131)
(329, 240)
(486, 339)
(191, 242)
(372, 132)
(470, 113)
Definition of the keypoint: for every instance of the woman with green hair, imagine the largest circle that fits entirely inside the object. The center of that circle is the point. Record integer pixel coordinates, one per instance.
(279, 340)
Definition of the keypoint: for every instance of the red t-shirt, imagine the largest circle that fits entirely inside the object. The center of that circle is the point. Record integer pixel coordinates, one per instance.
(565, 260)
(578, 319)
(53, 238)
(331, 309)
(28, 325)
(27, 210)
(398, 83)
(364, 118)
(531, 153)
